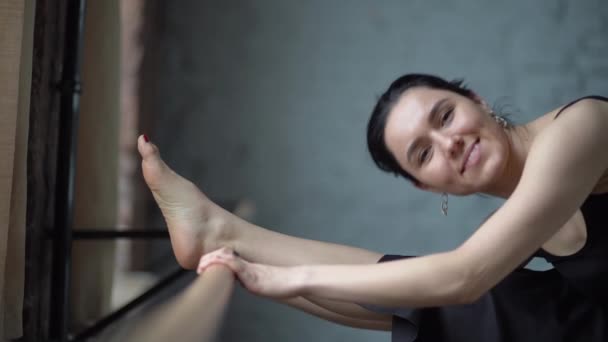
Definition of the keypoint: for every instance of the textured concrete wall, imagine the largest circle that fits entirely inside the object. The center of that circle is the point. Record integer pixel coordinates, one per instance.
(269, 100)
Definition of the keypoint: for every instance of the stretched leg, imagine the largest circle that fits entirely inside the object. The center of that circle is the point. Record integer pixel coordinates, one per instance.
(197, 225)
(347, 314)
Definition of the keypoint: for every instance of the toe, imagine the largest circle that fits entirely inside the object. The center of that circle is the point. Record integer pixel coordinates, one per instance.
(153, 166)
(147, 149)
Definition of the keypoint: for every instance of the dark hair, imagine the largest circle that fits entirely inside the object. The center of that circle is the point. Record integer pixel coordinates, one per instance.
(383, 158)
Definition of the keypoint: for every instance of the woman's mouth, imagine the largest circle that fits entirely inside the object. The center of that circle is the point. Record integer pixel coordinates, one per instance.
(471, 157)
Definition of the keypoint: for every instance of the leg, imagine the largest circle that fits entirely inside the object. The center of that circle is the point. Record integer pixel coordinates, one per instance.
(197, 225)
(347, 314)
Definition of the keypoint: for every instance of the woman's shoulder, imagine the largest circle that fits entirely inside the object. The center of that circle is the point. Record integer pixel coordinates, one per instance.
(586, 103)
(583, 116)
(566, 156)
(572, 138)
(589, 105)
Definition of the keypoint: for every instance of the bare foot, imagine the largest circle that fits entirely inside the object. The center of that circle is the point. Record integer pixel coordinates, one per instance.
(196, 224)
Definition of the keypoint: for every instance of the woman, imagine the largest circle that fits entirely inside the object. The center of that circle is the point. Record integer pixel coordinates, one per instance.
(443, 138)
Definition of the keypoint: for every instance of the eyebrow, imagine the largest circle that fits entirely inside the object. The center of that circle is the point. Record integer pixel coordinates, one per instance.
(430, 118)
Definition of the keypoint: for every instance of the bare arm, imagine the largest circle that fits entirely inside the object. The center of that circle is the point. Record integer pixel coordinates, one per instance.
(564, 164)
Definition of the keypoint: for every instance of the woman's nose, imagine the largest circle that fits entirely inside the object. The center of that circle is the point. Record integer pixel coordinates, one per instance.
(452, 145)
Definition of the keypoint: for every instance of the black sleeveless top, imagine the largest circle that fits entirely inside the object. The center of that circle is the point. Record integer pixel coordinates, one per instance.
(566, 303)
(587, 269)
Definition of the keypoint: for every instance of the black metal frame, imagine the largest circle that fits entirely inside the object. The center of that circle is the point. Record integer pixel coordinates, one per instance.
(63, 235)
(104, 322)
(69, 89)
(102, 234)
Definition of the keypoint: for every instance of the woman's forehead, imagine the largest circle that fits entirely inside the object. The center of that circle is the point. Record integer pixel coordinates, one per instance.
(420, 99)
(409, 113)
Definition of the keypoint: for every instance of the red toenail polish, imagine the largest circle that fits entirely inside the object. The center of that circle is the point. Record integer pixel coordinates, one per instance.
(146, 138)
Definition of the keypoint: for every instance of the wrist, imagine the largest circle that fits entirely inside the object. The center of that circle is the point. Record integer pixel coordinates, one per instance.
(302, 279)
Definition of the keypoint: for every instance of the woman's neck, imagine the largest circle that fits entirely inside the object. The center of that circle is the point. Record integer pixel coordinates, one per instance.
(520, 139)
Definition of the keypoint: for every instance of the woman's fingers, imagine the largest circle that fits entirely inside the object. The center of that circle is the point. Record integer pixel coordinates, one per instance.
(264, 280)
(223, 256)
(244, 271)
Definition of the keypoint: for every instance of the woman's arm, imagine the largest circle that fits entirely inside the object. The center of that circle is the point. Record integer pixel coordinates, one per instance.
(564, 164)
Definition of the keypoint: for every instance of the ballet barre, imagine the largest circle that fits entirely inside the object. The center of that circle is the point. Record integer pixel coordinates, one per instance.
(193, 315)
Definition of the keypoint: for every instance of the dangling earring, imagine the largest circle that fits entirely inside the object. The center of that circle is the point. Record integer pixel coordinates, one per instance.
(444, 204)
(500, 120)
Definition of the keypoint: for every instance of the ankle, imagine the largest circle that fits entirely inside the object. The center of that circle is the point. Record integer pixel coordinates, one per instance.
(220, 234)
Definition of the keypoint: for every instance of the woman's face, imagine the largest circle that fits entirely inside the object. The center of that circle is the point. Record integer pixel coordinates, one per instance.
(447, 141)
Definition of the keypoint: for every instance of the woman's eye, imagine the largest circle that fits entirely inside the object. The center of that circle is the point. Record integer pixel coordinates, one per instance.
(424, 155)
(447, 117)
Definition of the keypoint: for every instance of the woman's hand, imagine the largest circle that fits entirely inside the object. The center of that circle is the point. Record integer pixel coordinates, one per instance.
(263, 280)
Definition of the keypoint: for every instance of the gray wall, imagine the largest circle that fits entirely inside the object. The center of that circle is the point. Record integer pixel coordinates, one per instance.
(269, 100)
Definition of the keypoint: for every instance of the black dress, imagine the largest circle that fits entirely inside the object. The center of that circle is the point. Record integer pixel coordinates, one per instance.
(568, 303)
(526, 306)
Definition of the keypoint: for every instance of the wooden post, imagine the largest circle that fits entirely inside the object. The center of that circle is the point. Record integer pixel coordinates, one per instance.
(96, 189)
(16, 24)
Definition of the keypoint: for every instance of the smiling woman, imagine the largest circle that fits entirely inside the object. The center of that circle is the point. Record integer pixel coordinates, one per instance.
(383, 158)
(445, 139)
(435, 133)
